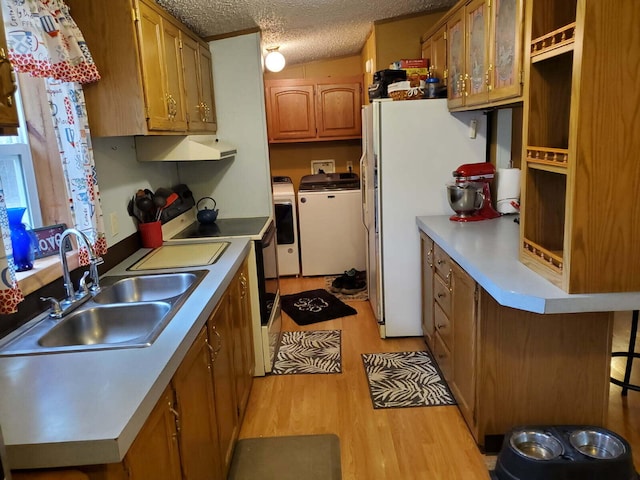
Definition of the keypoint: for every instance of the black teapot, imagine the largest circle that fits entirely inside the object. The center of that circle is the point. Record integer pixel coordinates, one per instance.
(206, 216)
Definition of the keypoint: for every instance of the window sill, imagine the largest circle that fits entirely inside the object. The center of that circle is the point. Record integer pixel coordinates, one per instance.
(45, 270)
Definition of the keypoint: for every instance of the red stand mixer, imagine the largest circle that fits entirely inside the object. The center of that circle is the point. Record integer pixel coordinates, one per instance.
(469, 194)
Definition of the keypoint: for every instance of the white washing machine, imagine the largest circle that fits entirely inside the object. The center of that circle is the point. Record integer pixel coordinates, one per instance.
(284, 199)
(332, 234)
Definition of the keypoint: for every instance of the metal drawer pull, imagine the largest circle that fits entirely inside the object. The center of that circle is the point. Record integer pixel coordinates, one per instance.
(441, 295)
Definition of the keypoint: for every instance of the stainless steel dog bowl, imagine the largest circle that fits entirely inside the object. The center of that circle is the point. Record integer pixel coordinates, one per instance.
(536, 444)
(595, 444)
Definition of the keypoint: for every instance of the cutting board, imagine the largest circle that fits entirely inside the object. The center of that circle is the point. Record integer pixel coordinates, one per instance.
(179, 256)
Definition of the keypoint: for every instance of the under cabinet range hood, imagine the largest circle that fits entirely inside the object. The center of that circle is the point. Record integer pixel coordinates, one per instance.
(182, 148)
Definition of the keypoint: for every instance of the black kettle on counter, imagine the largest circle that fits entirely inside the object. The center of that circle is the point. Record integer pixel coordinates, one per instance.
(206, 216)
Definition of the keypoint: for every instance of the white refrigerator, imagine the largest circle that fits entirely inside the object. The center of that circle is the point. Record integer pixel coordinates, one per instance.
(410, 149)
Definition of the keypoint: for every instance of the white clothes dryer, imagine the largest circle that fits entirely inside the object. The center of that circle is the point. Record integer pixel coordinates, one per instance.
(284, 199)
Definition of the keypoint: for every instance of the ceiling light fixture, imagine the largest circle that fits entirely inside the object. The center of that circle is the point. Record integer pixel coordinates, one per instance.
(274, 61)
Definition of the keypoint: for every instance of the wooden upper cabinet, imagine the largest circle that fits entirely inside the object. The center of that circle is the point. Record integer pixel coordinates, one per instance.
(8, 110)
(438, 66)
(506, 50)
(476, 77)
(154, 453)
(482, 42)
(149, 78)
(198, 81)
(313, 109)
(456, 59)
(290, 110)
(162, 77)
(175, 93)
(338, 112)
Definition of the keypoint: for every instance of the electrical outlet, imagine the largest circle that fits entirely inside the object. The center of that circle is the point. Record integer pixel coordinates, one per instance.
(327, 166)
(349, 165)
(113, 218)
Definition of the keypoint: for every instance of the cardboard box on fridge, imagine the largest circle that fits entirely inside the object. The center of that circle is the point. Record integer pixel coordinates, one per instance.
(410, 63)
(417, 73)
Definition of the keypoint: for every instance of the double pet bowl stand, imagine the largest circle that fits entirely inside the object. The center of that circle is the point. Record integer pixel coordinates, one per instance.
(564, 452)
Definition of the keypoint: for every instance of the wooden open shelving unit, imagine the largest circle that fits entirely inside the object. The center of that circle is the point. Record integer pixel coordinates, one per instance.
(579, 223)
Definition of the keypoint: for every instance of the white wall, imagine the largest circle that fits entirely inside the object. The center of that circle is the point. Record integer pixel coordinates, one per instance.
(120, 175)
(241, 186)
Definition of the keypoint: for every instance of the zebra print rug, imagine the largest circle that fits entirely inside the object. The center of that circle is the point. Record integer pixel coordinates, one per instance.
(405, 379)
(317, 351)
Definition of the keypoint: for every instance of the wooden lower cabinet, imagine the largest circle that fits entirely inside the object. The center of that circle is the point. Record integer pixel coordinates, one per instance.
(427, 289)
(196, 413)
(463, 306)
(154, 453)
(220, 331)
(191, 432)
(509, 367)
(244, 357)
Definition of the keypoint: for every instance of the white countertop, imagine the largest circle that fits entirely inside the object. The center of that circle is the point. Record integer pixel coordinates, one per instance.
(488, 251)
(87, 407)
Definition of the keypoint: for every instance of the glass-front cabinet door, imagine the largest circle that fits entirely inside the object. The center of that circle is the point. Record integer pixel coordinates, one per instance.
(455, 59)
(506, 49)
(476, 80)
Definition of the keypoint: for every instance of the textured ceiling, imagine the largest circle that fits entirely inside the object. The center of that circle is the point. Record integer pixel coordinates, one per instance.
(305, 30)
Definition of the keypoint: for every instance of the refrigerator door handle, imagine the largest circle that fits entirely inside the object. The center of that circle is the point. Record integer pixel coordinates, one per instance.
(363, 188)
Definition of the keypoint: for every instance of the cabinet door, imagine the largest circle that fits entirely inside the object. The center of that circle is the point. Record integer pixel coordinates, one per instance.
(198, 82)
(290, 111)
(455, 59)
(438, 67)
(220, 333)
(464, 338)
(506, 49)
(244, 360)
(207, 97)
(427, 290)
(190, 63)
(338, 110)
(198, 434)
(153, 70)
(426, 50)
(477, 53)
(8, 110)
(172, 41)
(154, 453)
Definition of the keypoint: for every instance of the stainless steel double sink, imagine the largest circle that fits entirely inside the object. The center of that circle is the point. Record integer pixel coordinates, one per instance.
(129, 312)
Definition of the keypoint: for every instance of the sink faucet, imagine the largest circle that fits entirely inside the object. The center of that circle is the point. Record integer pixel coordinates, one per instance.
(73, 299)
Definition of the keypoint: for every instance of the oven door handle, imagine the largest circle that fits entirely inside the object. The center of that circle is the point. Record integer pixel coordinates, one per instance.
(269, 235)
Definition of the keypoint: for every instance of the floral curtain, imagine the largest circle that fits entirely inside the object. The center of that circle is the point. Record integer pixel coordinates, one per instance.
(10, 294)
(44, 41)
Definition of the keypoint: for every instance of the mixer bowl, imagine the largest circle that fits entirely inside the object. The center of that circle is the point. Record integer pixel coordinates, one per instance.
(465, 198)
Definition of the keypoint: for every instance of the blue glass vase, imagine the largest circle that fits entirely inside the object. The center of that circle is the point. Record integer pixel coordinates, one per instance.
(23, 241)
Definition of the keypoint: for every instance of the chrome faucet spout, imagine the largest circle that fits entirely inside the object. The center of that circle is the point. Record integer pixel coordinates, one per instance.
(94, 261)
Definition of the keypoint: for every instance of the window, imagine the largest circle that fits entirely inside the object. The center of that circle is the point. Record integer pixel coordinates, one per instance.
(17, 173)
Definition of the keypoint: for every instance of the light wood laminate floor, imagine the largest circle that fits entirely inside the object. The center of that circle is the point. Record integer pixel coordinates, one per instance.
(402, 443)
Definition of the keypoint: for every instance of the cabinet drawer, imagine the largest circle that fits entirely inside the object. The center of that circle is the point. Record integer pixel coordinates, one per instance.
(442, 295)
(443, 357)
(443, 326)
(442, 263)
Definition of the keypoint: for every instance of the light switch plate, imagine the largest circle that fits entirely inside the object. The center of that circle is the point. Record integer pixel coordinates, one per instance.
(327, 166)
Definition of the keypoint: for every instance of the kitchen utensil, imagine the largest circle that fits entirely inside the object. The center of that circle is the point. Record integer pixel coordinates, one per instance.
(206, 216)
(469, 195)
(159, 201)
(145, 204)
(170, 200)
